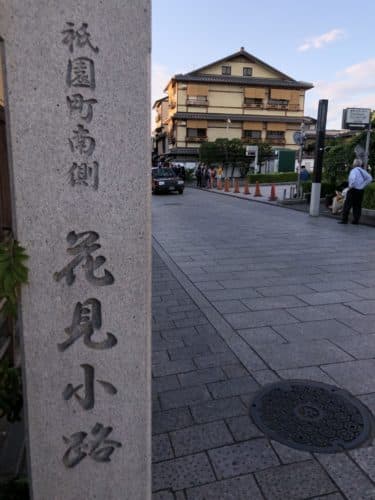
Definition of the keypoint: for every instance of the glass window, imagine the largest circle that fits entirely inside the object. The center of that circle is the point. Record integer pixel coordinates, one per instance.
(226, 70)
(247, 71)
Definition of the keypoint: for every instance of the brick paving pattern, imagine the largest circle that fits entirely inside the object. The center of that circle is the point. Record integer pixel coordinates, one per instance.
(243, 295)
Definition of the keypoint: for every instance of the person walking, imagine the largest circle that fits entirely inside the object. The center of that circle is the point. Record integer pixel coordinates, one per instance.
(213, 177)
(358, 180)
(198, 175)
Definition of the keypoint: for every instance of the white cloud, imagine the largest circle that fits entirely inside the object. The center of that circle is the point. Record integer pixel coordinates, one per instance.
(354, 87)
(317, 42)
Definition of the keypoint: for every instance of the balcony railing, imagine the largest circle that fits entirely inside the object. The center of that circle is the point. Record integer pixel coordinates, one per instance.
(277, 106)
(195, 102)
(253, 105)
(276, 140)
(251, 140)
(196, 139)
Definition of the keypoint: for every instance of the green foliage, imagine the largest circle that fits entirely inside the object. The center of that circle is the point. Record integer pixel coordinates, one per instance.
(16, 489)
(10, 391)
(265, 152)
(340, 154)
(13, 273)
(369, 197)
(273, 178)
(325, 188)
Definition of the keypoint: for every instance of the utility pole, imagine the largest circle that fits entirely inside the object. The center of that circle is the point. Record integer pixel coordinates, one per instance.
(301, 140)
(319, 152)
(367, 147)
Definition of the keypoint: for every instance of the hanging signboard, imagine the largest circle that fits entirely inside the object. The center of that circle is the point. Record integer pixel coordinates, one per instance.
(356, 118)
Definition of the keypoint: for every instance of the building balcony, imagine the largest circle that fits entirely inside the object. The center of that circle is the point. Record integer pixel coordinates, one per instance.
(195, 102)
(196, 139)
(279, 141)
(294, 107)
(254, 105)
(277, 106)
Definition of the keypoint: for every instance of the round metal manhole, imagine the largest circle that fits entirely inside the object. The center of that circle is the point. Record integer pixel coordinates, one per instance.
(311, 416)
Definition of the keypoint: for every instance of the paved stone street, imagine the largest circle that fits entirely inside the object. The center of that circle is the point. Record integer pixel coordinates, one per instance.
(245, 294)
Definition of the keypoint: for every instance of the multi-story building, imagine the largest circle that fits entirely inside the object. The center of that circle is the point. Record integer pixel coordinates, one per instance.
(238, 96)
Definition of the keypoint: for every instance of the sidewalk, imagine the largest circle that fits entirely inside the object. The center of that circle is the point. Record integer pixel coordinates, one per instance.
(211, 356)
(282, 190)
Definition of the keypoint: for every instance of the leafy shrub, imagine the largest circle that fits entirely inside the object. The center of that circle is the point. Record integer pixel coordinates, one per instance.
(369, 197)
(273, 178)
(325, 188)
(13, 273)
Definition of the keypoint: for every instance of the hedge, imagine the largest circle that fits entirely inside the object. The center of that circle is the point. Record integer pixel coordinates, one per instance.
(325, 188)
(369, 197)
(273, 178)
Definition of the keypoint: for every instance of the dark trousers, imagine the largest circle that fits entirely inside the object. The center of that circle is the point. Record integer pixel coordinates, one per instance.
(353, 200)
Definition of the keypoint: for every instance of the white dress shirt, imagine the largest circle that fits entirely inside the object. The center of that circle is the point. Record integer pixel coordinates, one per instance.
(359, 178)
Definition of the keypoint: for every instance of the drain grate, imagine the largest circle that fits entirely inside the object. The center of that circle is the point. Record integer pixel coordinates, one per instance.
(311, 416)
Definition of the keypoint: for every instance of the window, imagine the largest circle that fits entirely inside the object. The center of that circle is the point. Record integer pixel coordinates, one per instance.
(275, 137)
(226, 70)
(253, 102)
(197, 100)
(247, 71)
(196, 132)
(252, 134)
(278, 103)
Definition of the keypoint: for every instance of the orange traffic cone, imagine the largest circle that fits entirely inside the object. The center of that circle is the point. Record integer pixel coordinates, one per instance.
(273, 196)
(226, 185)
(236, 186)
(246, 187)
(257, 189)
(218, 184)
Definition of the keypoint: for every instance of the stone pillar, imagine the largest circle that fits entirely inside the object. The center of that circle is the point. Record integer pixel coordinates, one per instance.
(77, 92)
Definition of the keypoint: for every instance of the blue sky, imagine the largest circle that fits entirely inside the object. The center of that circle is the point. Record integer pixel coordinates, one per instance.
(329, 43)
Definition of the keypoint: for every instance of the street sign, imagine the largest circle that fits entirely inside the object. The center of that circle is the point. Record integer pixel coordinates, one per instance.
(356, 118)
(299, 137)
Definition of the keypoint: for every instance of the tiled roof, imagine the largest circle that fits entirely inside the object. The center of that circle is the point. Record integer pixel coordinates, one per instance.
(241, 53)
(238, 118)
(243, 80)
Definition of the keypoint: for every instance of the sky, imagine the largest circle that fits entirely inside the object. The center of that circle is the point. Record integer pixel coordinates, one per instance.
(329, 43)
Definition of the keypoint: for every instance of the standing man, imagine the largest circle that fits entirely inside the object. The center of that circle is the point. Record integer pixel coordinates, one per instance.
(358, 180)
(304, 175)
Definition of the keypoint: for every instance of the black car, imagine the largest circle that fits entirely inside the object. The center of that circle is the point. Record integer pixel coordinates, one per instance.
(164, 180)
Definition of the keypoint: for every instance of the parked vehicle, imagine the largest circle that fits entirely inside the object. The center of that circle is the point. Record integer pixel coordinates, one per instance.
(164, 180)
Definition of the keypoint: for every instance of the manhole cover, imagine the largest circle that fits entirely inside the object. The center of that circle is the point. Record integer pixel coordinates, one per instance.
(311, 416)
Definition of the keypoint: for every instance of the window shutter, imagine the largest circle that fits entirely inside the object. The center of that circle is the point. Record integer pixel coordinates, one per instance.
(253, 93)
(252, 126)
(276, 127)
(194, 90)
(294, 97)
(280, 94)
(196, 123)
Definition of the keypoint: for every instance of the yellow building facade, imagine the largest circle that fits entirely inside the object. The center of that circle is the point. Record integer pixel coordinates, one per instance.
(238, 97)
